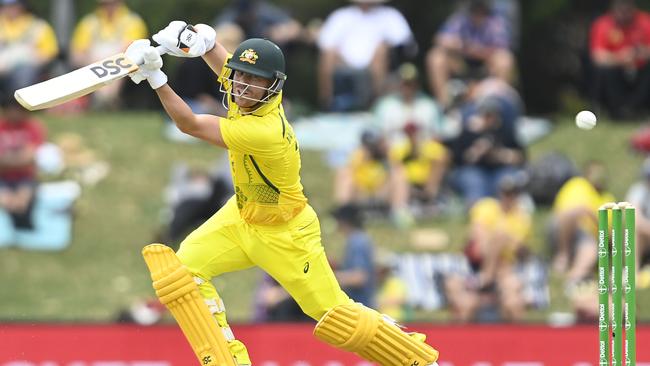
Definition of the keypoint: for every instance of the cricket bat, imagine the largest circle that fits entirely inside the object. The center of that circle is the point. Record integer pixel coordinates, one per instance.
(77, 83)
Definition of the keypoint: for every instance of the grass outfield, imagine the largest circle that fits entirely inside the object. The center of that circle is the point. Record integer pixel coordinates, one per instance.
(102, 271)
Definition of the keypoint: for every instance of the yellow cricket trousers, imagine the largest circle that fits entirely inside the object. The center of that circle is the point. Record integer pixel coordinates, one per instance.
(291, 253)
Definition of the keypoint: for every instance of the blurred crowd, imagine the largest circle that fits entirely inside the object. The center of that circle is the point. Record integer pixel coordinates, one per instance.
(444, 139)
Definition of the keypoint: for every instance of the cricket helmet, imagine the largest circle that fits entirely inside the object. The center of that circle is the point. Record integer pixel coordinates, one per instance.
(263, 58)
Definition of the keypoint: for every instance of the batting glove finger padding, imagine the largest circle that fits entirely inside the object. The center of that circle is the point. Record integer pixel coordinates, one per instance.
(135, 53)
(151, 66)
(183, 40)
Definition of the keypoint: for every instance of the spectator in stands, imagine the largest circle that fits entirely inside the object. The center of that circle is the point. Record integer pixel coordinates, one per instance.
(487, 147)
(261, 19)
(620, 49)
(20, 136)
(409, 105)
(193, 196)
(106, 31)
(573, 226)
(422, 162)
(356, 274)
(498, 237)
(355, 45)
(639, 196)
(370, 181)
(392, 292)
(475, 39)
(27, 45)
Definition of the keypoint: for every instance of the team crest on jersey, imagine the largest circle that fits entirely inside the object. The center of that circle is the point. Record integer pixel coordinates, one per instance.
(249, 56)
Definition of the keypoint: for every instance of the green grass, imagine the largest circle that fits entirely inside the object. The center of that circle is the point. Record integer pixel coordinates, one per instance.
(103, 271)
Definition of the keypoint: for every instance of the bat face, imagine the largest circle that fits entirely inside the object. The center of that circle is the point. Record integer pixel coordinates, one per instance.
(75, 84)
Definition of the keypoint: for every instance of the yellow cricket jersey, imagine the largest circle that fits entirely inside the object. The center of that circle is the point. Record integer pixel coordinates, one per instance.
(264, 161)
(578, 192)
(125, 26)
(29, 31)
(516, 223)
(418, 167)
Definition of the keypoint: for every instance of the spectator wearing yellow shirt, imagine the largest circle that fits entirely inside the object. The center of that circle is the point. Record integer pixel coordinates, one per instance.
(499, 231)
(27, 45)
(392, 292)
(573, 226)
(106, 31)
(369, 180)
(424, 163)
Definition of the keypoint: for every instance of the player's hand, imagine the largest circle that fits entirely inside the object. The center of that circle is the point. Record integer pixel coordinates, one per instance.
(152, 62)
(135, 52)
(186, 41)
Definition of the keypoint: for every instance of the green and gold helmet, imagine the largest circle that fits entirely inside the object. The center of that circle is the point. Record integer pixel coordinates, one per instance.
(263, 58)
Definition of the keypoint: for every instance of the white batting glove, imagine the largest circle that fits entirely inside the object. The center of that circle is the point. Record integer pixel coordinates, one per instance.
(186, 41)
(151, 63)
(135, 53)
(151, 68)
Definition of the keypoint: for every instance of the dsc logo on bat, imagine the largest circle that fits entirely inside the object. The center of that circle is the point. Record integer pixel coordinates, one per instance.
(113, 66)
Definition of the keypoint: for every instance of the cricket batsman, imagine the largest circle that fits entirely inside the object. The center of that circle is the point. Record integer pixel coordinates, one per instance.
(267, 223)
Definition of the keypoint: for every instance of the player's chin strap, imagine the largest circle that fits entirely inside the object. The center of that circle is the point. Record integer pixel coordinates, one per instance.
(271, 92)
(228, 96)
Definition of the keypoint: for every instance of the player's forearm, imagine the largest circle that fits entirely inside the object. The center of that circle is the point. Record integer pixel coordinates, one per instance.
(202, 126)
(177, 109)
(216, 57)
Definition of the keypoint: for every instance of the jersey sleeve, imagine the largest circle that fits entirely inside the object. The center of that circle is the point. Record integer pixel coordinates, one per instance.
(223, 74)
(252, 135)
